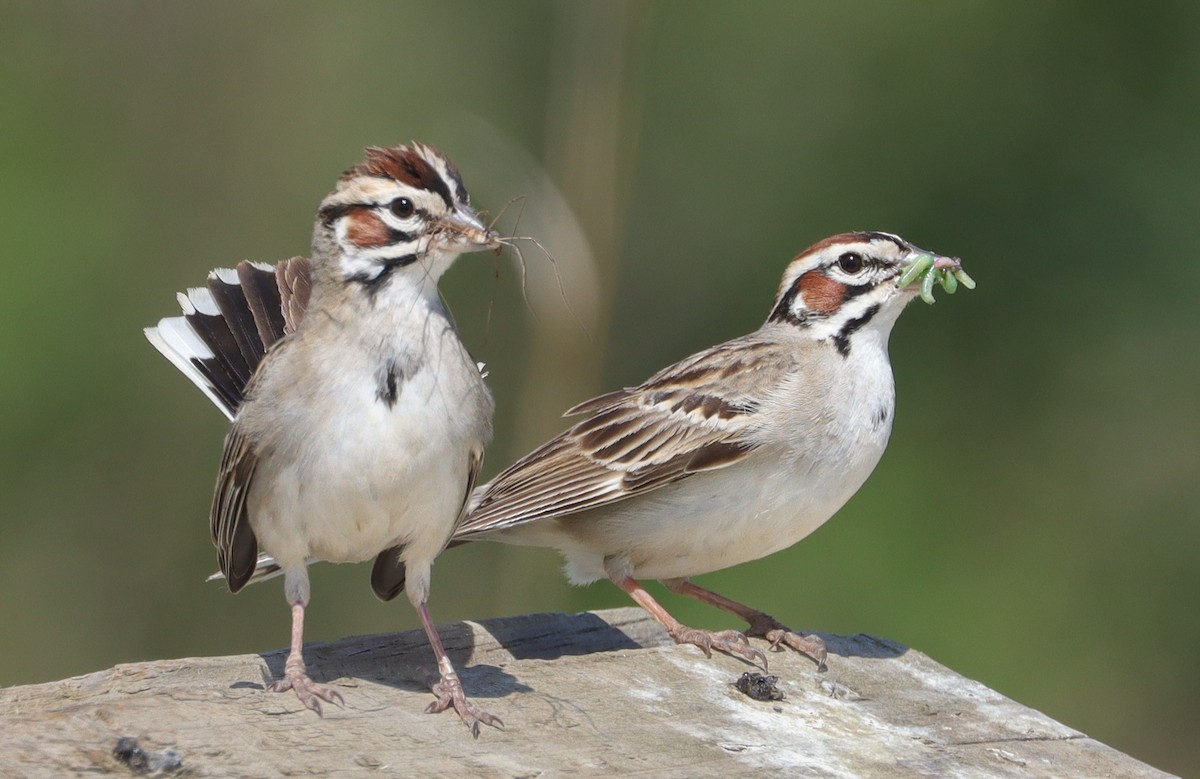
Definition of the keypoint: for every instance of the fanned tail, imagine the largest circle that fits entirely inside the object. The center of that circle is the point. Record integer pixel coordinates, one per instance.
(226, 328)
(228, 325)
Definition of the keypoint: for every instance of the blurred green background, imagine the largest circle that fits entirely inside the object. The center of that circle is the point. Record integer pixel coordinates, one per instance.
(1034, 522)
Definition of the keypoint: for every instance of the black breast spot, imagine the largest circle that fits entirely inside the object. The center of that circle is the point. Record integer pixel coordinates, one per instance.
(390, 378)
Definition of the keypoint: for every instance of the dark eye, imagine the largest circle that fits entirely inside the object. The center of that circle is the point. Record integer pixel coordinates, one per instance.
(402, 207)
(851, 262)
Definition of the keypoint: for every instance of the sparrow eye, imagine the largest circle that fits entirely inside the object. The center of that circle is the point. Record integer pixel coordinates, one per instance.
(851, 262)
(402, 207)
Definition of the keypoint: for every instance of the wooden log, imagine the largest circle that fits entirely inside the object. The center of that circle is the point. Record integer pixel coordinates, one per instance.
(579, 694)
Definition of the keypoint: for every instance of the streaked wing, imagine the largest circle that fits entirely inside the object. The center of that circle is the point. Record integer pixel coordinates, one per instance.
(689, 418)
(229, 525)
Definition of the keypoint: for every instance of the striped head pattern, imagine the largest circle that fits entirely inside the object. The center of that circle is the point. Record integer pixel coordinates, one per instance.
(401, 206)
(845, 283)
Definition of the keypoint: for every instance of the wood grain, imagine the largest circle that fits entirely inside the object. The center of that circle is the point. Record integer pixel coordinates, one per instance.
(599, 692)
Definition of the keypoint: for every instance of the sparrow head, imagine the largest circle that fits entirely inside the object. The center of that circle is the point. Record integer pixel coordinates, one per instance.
(848, 283)
(403, 209)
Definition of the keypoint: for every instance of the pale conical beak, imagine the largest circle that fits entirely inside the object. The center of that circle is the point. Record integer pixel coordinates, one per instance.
(463, 232)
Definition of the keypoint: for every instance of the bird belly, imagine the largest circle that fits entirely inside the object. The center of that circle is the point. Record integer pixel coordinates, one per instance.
(364, 514)
(383, 476)
(711, 521)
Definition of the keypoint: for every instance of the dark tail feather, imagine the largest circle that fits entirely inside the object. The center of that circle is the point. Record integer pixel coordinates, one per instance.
(261, 290)
(233, 300)
(229, 362)
(227, 327)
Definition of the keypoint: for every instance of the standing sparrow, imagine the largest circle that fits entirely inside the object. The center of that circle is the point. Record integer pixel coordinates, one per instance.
(359, 418)
(734, 453)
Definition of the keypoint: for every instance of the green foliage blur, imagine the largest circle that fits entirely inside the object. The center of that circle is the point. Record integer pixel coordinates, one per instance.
(1034, 522)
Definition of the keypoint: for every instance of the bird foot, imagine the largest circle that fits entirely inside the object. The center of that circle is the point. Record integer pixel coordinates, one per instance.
(731, 642)
(449, 692)
(765, 626)
(309, 692)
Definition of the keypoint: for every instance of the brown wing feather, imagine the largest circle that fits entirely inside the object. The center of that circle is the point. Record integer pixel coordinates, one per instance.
(689, 418)
(295, 288)
(237, 547)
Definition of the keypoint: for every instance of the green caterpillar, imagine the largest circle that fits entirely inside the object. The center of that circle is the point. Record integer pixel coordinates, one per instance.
(922, 268)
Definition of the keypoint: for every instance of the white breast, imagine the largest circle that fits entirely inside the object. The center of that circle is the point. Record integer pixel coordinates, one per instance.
(343, 474)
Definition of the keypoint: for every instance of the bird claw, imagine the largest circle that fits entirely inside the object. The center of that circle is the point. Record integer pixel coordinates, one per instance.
(449, 692)
(778, 635)
(309, 692)
(731, 642)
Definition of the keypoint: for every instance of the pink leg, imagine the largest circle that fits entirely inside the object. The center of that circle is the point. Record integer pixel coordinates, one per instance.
(729, 641)
(295, 675)
(448, 688)
(761, 625)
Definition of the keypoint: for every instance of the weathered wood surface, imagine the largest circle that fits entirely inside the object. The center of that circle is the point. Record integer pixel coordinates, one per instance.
(579, 694)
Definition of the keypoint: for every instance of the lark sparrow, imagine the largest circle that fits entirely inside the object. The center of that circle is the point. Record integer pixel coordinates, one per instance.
(359, 419)
(734, 453)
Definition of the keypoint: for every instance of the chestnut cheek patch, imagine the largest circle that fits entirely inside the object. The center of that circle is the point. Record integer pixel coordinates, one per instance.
(366, 230)
(822, 295)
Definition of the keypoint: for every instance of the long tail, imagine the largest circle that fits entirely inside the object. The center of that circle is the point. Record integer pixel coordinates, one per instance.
(227, 326)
